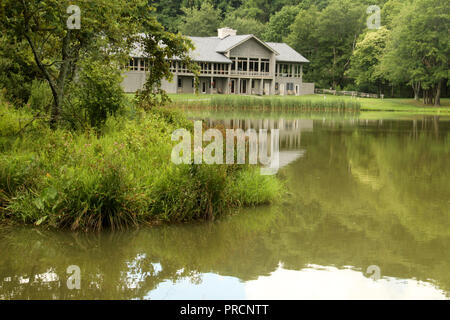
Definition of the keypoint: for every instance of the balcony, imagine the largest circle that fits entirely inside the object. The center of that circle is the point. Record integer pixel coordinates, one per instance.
(251, 73)
(235, 73)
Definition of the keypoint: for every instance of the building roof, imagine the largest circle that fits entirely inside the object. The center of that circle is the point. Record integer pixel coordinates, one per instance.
(212, 49)
(229, 42)
(286, 53)
(206, 50)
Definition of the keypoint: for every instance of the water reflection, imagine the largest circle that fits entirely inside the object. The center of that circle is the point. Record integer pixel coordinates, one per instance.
(363, 193)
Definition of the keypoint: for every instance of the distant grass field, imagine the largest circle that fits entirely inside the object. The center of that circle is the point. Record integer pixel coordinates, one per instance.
(367, 104)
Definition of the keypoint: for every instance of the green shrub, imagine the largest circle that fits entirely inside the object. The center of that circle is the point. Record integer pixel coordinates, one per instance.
(17, 69)
(250, 188)
(41, 97)
(82, 181)
(97, 93)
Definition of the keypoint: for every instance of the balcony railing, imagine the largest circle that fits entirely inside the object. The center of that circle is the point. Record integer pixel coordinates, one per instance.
(226, 73)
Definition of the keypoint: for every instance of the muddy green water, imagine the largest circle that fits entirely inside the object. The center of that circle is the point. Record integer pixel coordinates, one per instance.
(364, 196)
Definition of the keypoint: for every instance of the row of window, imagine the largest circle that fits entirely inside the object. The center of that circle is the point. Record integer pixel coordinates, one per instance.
(238, 64)
(288, 70)
(137, 64)
(250, 64)
(180, 83)
(289, 86)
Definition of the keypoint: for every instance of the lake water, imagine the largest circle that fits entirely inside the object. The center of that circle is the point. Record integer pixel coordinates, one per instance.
(367, 215)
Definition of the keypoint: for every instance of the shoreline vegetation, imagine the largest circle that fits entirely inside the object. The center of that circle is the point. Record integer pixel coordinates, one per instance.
(122, 178)
(272, 103)
(309, 103)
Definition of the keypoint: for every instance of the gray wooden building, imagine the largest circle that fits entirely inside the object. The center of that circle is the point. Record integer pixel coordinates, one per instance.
(230, 64)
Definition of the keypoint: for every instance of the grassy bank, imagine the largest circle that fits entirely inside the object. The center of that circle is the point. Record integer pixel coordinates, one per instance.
(272, 103)
(120, 179)
(366, 104)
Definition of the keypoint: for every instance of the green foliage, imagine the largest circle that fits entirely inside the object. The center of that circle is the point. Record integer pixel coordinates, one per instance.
(279, 24)
(275, 103)
(419, 48)
(174, 46)
(365, 61)
(327, 38)
(82, 181)
(244, 25)
(201, 22)
(41, 97)
(58, 52)
(250, 188)
(97, 92)
(17, 69)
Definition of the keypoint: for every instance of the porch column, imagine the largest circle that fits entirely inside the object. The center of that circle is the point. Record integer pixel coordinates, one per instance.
(272, 87)
(176, 83)
(259, 65)
(261, 86)
(251, 84)
(301, 73)
(248, 66)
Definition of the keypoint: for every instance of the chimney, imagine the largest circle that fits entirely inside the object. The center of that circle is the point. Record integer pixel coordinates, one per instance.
(225, 32)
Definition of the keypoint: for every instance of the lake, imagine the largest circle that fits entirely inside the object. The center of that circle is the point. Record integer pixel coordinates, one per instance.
(366, 216)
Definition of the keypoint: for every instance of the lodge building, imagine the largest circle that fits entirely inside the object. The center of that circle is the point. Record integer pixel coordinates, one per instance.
(230, 64)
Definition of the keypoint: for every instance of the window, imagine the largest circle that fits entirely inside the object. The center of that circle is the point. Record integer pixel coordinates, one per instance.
(253, 84)
(265, 65)
(276, 86)
(173, 66)
(193, 82)
(180, 83)
(133, 64)
(289, 86)
(298, 71)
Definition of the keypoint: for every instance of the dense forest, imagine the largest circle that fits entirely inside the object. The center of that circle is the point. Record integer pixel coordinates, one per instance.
(406, 56)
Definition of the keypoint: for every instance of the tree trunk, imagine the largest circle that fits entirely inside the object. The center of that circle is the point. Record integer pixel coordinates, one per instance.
(416, 88)
(437, 99)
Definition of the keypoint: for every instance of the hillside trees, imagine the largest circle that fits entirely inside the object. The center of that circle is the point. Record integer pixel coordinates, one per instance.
(200, 22)
(419, 48)
(365, 61)
(327, 38)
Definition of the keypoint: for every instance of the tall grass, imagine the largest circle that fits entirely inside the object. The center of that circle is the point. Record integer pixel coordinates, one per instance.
(82, 181)
(273, 103)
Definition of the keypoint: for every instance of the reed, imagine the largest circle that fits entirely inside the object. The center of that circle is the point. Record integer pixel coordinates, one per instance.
(274, 103)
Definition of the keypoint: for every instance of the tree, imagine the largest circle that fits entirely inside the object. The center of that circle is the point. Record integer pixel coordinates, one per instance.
(200, 22)
(256, 9)
(304, 39)
(109, 31)
(364, 63)
(279, 24)
(328, 38)
(56, 48)
(419, 48)
(244, 25)
(158, 45)
(17, 69)
(168, 13)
